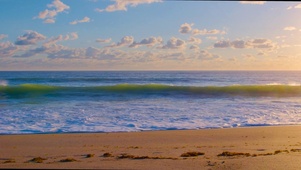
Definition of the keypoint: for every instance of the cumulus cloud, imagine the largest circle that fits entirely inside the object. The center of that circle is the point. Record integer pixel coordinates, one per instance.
(99, 40)
(48, 15)
(73, 36)
(185, 28)
(2, 36)
(122, 5)
(32, 52)
(85, 19)
(222, 44)
(249, 56)
(298, 6)
(173, 56)
(50, 46)
(194, 40)
(262, 53)
(175, 43)
(260, 43)
(149, 42)
(127, 40)
(56, 39)
(53, 51)
(206, 55)
(53, 40)
(211, 38)
(7, 49)
(194, 47)
(280, 37)
(253, 2)
(290, 28)
(49, 21)
(207, 32)
(58, 6)
(56, 51)
(238, 44)
(30, 38)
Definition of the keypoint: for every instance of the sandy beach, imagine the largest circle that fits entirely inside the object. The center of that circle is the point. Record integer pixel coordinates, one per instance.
(277, 147)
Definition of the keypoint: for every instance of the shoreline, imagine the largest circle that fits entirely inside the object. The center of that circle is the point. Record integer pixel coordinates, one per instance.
(260, 147)
(164, 130)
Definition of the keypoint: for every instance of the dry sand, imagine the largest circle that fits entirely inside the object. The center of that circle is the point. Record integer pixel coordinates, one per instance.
(237, 148)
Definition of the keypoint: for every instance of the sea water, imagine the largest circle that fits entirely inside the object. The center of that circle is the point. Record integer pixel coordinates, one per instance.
(113, 101)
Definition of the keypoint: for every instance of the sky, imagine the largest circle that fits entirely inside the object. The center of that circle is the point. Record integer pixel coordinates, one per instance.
(149, 35)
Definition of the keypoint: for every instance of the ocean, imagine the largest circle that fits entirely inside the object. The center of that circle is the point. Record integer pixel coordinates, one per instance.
(34, 102)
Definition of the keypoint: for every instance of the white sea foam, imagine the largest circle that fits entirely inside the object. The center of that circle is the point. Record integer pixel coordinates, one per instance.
(3, 83)
(148, 114)
(90, 111)
(287, 84)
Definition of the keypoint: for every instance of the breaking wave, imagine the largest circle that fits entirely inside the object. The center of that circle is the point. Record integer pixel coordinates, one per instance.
(25, 90)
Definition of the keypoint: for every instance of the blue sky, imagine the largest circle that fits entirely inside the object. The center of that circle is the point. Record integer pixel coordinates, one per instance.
(149, 35)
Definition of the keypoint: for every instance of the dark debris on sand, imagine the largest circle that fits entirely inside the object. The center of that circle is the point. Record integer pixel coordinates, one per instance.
(192, 154)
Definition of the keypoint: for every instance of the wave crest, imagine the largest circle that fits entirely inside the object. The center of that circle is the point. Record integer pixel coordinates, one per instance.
(145, 89)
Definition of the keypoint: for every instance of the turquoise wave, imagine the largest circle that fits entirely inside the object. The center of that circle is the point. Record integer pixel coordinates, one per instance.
(212, 91)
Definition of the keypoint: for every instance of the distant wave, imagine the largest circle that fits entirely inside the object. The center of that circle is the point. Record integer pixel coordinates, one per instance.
(25, 90)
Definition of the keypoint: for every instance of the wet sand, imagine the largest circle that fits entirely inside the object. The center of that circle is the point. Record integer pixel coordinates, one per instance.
(277, 147)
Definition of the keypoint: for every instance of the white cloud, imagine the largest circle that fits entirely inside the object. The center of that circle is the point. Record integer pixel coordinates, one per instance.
(85, 19)
(211, 38)
(7, 49)
(58, 6)
(280, 37)
(53, 40)
(206, 55)
(262, 53)
(122, 5)
(296, 6)
(2, 36)
(238, 44)
(185, 28)
(73, 35)
(207, 32)
(194, 40)
(49, 21)
(104, 40)
(127, 40)
(250, 56)
(194, 47)
(92, 52)
(253, 2)
(175, 43)
(149, 42)
(30, 38)
(55, 51)
(32, 52)
(177, 56)
(259, 43)
(290, 28)
(222, 44)
(48, 15)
